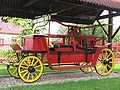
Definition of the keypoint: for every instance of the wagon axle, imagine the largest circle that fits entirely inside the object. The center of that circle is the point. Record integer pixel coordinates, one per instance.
(105, 62)
(31, 69)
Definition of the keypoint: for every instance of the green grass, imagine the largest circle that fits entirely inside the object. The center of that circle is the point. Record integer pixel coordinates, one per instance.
(103, 84)
(47, 69)
(117, 68)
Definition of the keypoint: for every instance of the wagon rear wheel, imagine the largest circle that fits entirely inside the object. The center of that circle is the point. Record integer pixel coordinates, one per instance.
(105, 63)
(30, 69)
(88, 69)
(12, 67)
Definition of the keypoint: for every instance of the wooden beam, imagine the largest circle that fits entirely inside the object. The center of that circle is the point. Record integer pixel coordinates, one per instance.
(102, 27)
(110, 29)
(83, 17)
(115, 32)
(109, 16)
(71, 19)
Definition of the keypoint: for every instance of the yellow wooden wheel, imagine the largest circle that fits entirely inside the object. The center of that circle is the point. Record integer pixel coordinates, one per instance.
(12, 67)
(30, 69)
(105, 63)
(88, 69)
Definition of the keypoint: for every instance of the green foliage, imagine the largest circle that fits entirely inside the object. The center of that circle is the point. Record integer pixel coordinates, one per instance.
(117, 37)
(5, 53)
(8, 53)
(24, 24)
(63, 30)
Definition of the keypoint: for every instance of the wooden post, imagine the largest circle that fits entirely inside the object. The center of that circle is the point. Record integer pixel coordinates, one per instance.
(110, 29)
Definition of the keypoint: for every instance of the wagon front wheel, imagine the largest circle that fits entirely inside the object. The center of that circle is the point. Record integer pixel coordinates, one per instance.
(105, 62)
(30, 69)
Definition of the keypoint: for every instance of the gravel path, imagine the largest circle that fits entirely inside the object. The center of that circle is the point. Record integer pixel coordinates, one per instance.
(54, 78)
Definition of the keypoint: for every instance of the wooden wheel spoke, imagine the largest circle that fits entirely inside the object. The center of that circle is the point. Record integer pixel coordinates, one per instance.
(106, 54)
(23, 66)
(35, 63)
(28, 76)
(109, 55)
(28, 60)
(32, 76)
(110, 62)
(15, 70)
(99, 59)
(106, 69)
(37, 66)
(25, 74)
(32, 62)
(35, 74)
(26, 64)
(23, 71)
(38, 70)
(103, 55)
(109, 66)
(109, 58)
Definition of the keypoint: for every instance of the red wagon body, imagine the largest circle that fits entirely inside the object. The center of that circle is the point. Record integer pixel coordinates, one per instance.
(72, 51)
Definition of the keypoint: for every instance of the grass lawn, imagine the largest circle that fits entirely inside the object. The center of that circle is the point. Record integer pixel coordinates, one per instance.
(103, 84)
(117, 68)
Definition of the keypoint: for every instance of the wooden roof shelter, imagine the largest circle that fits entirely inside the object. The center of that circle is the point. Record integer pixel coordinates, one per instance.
(72, 11)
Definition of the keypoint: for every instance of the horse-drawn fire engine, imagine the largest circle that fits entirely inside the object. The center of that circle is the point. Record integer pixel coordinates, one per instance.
(72, 51)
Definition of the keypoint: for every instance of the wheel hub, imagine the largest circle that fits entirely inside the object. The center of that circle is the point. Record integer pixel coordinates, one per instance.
(105, 62)
(31, 69)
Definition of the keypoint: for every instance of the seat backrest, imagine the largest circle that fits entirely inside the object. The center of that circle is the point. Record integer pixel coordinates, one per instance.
(15, 47)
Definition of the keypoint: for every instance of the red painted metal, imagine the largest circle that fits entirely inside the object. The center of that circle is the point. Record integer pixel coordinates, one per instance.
(35, 43)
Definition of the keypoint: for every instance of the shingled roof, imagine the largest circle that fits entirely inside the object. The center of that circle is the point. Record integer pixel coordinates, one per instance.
(74, 11)
(113, 4)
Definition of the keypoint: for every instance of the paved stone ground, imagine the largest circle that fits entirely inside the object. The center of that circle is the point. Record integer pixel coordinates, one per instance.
(54, 78)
